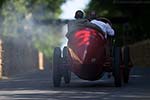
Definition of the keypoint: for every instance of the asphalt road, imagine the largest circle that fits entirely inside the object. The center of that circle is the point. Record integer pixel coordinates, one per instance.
(38, 86)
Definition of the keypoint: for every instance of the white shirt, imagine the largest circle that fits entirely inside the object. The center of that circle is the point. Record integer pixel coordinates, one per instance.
(105, 27)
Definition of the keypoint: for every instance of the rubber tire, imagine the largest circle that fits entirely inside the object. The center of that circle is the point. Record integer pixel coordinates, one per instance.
(66, 72)
(126, 70)
(56, 67)
(116, 67)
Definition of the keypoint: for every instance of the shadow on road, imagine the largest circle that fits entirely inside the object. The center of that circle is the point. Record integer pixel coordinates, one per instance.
(38, 86)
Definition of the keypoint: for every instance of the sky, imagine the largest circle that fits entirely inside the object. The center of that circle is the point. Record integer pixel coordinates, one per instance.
(71, 6)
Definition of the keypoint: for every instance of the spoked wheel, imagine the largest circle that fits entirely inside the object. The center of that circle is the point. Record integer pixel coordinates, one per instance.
(126, 69)
(116, 67)
(56, 67)
(66, 72)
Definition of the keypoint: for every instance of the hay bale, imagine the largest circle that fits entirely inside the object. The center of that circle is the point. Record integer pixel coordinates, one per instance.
(140, 53)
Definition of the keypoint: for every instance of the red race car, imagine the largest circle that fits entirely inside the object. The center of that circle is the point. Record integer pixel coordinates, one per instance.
(85, 56)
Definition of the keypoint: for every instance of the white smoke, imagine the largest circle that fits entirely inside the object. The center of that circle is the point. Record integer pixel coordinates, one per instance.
(25, 27)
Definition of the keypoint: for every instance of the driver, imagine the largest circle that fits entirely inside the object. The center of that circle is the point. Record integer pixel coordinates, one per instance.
(78, 23)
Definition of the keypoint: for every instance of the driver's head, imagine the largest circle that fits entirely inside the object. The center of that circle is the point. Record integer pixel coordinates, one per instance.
(92, 15)
(79, 14)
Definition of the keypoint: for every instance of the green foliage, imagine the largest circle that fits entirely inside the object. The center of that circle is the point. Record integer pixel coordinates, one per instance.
(13, 12)
(19, 18)
(49, 8)
(137, 13)
(103, 8)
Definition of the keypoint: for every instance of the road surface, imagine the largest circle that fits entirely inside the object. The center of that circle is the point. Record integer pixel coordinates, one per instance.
(38, 86)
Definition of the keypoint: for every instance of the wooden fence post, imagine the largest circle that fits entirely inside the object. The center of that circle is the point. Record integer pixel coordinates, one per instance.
(41, 60)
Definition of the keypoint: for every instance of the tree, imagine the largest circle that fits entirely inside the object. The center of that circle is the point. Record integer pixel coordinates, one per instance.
(19, 22)
(49, 8)
(136, 13)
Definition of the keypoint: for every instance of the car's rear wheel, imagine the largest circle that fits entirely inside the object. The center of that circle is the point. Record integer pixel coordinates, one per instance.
(116, 67)
(66, 72)
(126, 70)
(56, 67)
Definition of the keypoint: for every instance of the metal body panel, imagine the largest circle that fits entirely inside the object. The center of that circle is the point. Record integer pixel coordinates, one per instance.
(87, 53)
